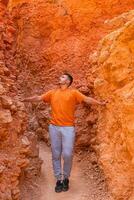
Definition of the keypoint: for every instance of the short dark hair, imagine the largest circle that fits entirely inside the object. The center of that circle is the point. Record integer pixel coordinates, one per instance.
(69, 77)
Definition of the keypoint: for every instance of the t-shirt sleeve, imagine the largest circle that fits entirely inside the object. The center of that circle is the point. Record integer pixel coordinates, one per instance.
(47, 96)
(79, 96)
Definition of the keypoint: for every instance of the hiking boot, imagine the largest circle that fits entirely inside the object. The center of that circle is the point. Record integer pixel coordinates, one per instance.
(65, 184)
(59, 186)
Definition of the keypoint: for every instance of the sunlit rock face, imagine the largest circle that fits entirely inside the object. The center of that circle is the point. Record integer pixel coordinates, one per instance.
(115, 82)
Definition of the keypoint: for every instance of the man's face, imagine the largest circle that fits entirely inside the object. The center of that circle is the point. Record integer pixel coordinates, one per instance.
(63, 80)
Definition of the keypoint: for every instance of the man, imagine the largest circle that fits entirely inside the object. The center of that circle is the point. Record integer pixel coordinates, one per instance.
(61, 128)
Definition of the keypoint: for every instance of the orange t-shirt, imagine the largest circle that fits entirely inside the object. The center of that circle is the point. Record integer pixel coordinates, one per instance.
(63, 105)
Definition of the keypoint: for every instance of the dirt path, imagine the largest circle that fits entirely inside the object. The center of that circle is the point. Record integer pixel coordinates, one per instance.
(78, 185)
(86, 182)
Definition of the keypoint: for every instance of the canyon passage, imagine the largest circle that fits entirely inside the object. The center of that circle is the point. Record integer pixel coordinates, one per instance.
(94, 41)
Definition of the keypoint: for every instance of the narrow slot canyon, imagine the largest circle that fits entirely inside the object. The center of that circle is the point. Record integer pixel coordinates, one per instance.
(94, 41)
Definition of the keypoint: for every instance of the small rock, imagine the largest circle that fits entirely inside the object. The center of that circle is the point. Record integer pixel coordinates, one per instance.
(2, 89)
(6, 71)
(5, 116)
(2, 168)
(13, 108)
(6, 102)
(25, 141)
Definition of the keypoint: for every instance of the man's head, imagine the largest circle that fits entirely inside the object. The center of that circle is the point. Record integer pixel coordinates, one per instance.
(66, 79)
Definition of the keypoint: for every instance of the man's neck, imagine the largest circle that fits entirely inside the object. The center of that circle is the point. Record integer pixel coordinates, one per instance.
(63, 87)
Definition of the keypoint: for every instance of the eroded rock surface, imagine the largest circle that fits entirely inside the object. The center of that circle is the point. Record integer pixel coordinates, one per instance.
(15, 144)
(115, 83)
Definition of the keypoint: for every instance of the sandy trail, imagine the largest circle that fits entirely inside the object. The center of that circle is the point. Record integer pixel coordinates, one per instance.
(86, 182)
(78, 185)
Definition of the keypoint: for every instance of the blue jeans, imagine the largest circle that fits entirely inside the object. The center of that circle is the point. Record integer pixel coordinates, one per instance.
(62, 140)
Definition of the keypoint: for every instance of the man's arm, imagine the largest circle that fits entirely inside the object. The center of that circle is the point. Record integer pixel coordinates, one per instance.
(32, 99)
(90, 100)
(46, 97)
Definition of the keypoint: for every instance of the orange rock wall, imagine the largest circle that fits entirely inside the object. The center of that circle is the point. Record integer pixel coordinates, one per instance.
(115, 83)
(16, 151)
(13, 145)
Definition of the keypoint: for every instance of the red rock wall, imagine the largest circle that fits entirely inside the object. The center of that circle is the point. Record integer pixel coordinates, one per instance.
(16, 150)
(13, 145)
(115, 83)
